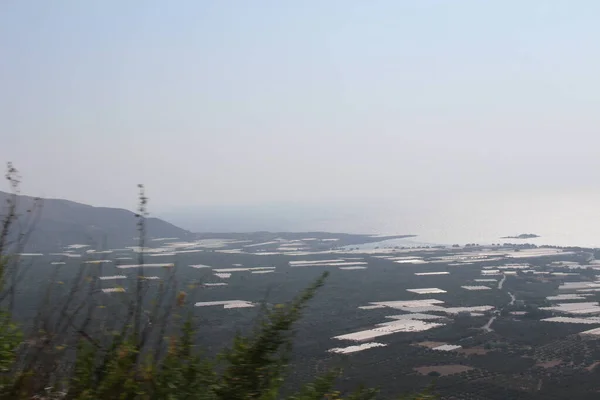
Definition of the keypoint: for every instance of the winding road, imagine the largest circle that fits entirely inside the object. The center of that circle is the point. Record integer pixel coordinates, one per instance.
(488, 327)
(512, 298)
(501, 283)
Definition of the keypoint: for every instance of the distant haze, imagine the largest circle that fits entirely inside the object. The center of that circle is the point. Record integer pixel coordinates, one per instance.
(567, 219)
(430, 114)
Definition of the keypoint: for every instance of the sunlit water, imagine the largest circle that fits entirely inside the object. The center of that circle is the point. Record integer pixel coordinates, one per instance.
(570, 218)
(564, 219)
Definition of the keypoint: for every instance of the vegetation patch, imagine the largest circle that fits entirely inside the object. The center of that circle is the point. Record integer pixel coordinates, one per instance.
(443, 370)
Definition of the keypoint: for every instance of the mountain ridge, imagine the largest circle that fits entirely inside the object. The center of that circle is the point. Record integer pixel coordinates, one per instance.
(62, 222)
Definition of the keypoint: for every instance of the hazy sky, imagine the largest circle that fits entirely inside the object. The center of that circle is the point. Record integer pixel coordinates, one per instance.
(211, 102)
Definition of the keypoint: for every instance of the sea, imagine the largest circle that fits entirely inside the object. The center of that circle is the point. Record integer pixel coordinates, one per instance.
(563, 219)
(569, 218)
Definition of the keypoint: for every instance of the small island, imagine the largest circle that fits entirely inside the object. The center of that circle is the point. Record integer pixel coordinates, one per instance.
(522, 236)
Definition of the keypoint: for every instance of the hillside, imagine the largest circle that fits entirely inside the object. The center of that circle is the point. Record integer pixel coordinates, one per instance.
(63, 222)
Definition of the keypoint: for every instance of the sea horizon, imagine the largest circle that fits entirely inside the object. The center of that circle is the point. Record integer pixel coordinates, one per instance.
(559, 219)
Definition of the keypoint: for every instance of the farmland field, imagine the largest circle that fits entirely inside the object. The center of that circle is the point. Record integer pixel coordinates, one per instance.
(487, 323)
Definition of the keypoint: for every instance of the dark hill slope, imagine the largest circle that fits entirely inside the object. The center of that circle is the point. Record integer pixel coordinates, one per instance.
(64, 222)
